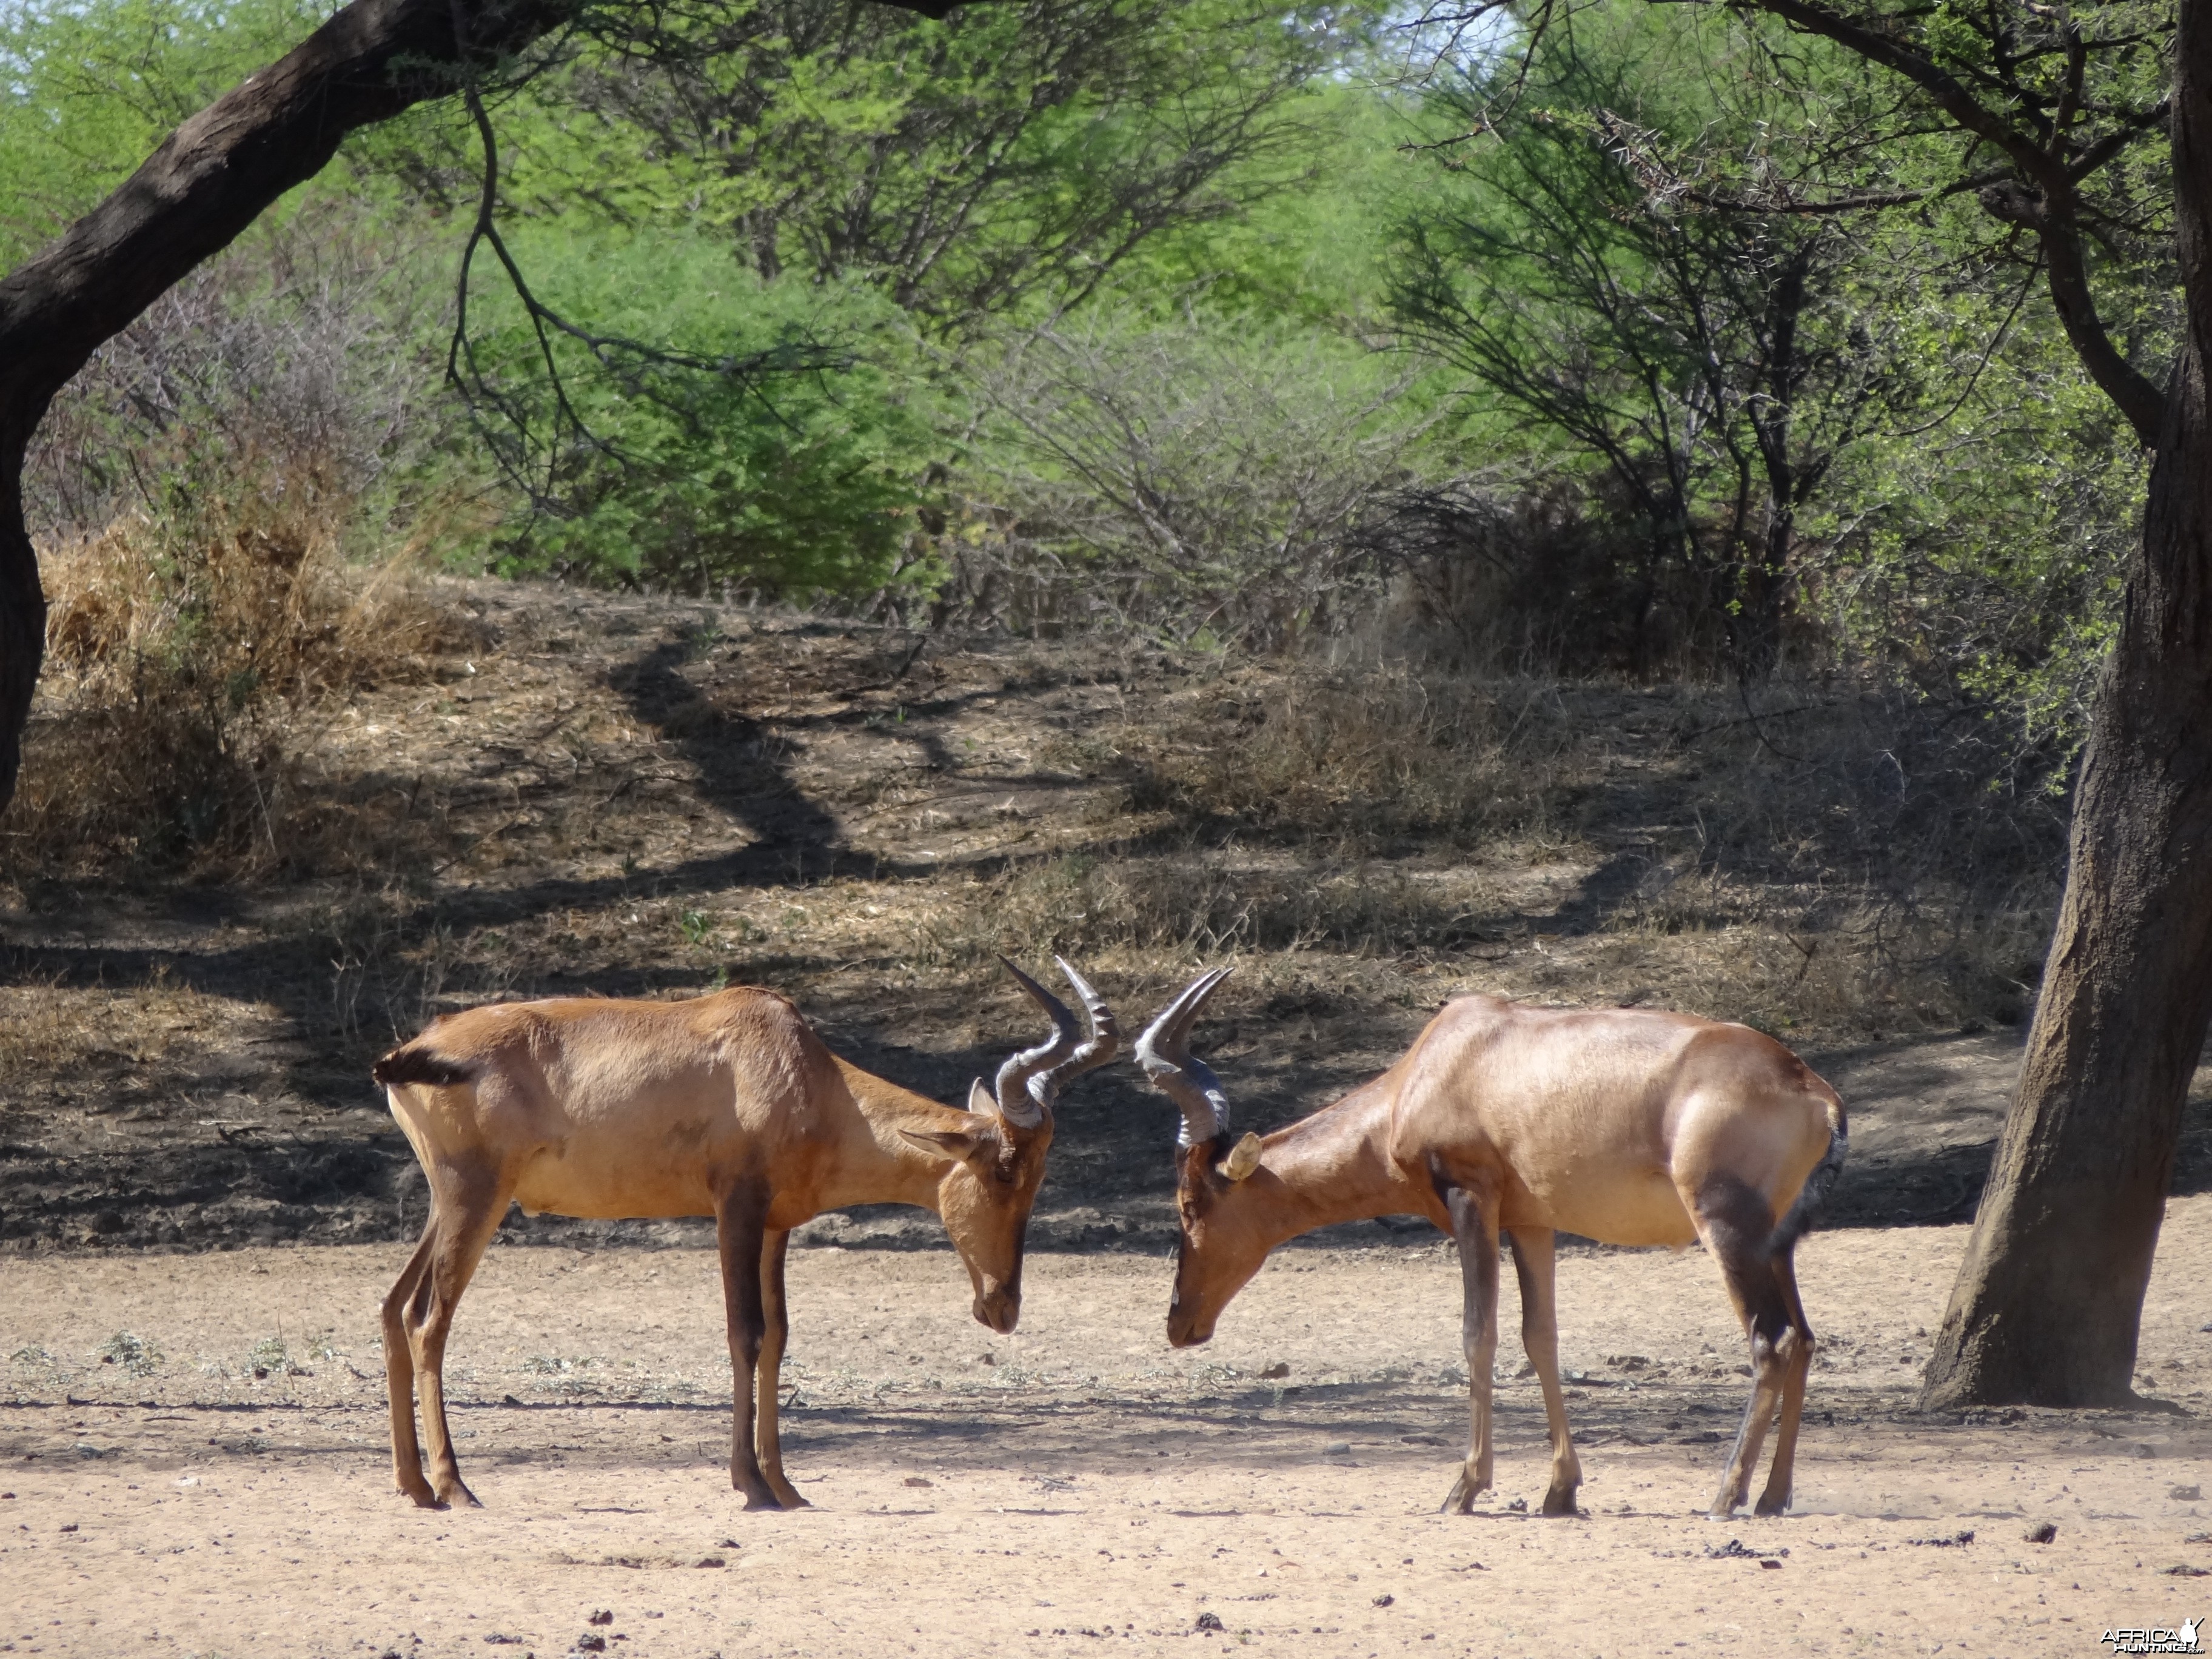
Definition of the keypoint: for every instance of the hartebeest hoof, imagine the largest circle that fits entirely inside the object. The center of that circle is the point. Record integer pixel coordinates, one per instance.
(788, 1498)
(456, 1495)
(1771, 1503)
(1560, 1502)
(423, 1499)
(1460, 1500)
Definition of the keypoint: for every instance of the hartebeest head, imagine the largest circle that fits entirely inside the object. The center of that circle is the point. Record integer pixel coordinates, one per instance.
(1224, 1238)
(998, 1154)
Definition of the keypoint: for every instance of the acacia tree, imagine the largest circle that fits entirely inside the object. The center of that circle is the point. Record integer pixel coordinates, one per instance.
(2057, 112)
(1714, 363)
(2084, 130)
(965, 168)
(208, 181)
(2053, 104)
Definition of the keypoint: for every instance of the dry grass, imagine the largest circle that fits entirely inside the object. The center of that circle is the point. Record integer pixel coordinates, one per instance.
(188, 661)
(638, 798)
(642, 799)
(1364, 754)
(49, 1027)
(1380, 835)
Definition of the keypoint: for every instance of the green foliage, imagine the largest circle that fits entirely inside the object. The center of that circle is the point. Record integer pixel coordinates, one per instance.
(1086, 293)
(1987, 555)
(1709, 359)
(87, 92)
(755, 475)
(1317, 256)
(1005, 156)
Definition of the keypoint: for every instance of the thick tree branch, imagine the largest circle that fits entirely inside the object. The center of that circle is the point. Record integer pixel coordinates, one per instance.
(2043, 193)
(2133, 392)
(207, 182)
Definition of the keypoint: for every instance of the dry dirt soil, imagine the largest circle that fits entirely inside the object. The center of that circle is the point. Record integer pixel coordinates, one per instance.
(1076, 1488)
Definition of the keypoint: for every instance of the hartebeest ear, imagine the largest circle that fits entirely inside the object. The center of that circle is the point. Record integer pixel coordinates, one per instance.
(980, 1101)
(955, 1144)
(1244, 1158)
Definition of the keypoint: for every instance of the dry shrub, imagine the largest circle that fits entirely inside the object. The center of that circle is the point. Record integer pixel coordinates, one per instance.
(205, 492)
(186, 658)
(50, 1028)
(1359, 754)
(1186, 475)
(1844, 861)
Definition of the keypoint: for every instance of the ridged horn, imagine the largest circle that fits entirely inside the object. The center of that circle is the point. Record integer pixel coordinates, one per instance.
(1030, 1081)
(1164, 1052)
(1099, 1049)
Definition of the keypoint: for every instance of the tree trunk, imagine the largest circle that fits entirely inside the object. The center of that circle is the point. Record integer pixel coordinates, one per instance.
(210, 179)
(2047, 1303)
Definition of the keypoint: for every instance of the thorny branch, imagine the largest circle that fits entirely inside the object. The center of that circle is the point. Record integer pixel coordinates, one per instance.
(624, 359)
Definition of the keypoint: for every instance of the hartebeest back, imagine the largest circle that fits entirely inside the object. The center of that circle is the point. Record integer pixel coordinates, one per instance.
(1625, 1125)
(726, 1106)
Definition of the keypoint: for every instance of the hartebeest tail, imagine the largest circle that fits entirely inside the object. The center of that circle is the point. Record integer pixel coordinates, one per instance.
(419, 1061)
(726, 1106)
(1625, 1125)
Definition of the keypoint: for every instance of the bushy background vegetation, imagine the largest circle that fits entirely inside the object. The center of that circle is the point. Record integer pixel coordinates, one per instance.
(1242, 327)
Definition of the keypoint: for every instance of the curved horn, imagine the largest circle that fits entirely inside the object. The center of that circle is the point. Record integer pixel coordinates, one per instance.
(1015, 1090)
(1103, 1043)
(1164, 1051)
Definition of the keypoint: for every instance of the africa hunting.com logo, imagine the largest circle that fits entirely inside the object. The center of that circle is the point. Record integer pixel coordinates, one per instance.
(2154, 1641)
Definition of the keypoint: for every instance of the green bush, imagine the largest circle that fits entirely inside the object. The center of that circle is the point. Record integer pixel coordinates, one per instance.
(761, 437)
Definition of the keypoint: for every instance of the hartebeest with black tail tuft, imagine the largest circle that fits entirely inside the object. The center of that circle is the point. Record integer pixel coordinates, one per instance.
(726, 1106)
(1626, 1126)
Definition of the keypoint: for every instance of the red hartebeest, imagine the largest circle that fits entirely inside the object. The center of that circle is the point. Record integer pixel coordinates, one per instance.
(1626, 1126)
(726, 1106)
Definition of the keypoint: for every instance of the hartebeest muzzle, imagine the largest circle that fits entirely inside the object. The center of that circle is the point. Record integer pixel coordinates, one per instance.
(1000, 1307)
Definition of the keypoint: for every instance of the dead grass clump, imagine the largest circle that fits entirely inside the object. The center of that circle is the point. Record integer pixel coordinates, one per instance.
(1194, 906)
(41, 1030)
(1364, 755)
(48, 1028)
(186, 657)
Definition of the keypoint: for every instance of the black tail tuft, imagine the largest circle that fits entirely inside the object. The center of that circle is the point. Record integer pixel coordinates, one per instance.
(1814, 1193)
(410, 1064)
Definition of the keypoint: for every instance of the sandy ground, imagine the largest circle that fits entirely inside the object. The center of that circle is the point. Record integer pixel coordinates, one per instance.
(221, 1485)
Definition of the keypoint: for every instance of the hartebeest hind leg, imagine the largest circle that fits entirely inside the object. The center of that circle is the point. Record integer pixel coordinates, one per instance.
(418, 1314)
(1474, 1226)
(1776, 1498)
(1533, 1262)
(777, 1315)
(399, 1374)
(740, 1230)
(1737, 1225)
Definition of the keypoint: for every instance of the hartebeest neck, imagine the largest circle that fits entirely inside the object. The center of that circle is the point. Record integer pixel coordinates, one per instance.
(1334, 1166)
(882, 1166)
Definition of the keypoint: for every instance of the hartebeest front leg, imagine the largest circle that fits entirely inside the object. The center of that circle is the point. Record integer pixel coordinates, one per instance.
(740, 1230)
(1475, 1225)
(770, 1370)
(1535, 1259)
